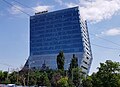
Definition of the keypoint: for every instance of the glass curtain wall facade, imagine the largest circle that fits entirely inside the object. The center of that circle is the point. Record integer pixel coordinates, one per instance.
(62, 30)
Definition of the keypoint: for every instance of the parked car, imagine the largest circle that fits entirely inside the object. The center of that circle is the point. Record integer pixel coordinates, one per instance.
(11, 85)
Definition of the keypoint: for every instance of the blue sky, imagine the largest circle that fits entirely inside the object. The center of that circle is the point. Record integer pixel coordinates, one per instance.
(103, 18)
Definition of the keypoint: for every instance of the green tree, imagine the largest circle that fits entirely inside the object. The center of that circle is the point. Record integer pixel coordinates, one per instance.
(32, 78)
(75, 73)
(43, 80)
(70, 82)
(60, 60)
(14, 78)
(77, 76)
(96, 82)
(23, 77)
(73, 64)
(1, 77)
(87, 82)
(63, 82)
(55, 78)
(37, 76)
(107, 75)
(5, 79)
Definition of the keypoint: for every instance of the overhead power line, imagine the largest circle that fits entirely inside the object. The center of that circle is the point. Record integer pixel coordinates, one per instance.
(106, 39)
(24, 5)
(16, 7)
(105, 47)
(90, 33)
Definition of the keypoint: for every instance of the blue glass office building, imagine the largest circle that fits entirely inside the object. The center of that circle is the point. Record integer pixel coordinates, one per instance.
(52, 32)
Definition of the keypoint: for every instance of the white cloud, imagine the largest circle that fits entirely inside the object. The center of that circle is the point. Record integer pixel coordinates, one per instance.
(97, 10)
(66, 4)
(15, 9)
(42, 8)
(111, 32)
(70, 5)
(100, 9)
(59, 1)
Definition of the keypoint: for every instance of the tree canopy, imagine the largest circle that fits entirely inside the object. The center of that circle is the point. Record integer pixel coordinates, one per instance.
(60, 60)
(108, 75)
